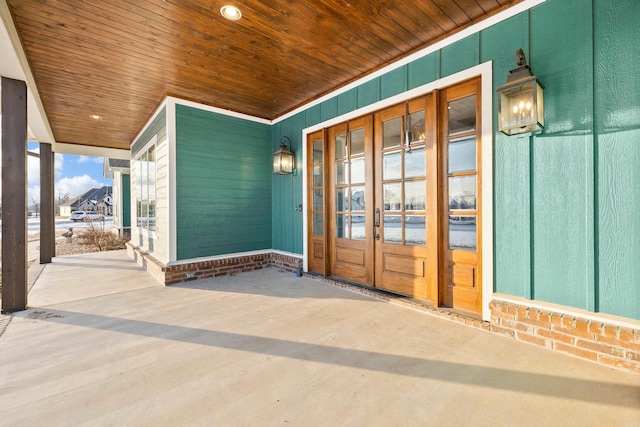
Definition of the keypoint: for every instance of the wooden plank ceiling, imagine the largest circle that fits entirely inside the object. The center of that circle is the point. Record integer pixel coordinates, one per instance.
(118, 59)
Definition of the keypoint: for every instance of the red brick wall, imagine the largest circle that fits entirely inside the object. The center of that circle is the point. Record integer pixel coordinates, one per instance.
(216, 268)
(597, 341)
(170, 275)
(284, 262)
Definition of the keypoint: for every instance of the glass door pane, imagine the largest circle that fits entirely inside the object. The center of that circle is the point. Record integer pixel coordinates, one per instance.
(462, 173)
(403, 179)
(317, 188)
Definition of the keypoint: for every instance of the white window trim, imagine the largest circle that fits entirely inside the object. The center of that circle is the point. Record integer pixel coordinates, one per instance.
(145, 232)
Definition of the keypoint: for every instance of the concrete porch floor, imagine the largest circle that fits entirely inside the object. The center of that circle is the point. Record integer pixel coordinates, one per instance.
(104, 344)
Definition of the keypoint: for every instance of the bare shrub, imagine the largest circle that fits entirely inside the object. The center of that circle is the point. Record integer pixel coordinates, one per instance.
(96, 237)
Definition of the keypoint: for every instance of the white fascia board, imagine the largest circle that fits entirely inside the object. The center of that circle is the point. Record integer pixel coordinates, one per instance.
(153, 117)
(88, 150)
(14, 65)
(486, 140)
(222, 111)
(220, 257)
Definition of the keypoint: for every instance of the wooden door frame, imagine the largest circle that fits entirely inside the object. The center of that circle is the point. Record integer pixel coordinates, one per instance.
(485, 71)
(464, 89)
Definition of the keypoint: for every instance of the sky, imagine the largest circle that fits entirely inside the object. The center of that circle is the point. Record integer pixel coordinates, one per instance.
(73, 174)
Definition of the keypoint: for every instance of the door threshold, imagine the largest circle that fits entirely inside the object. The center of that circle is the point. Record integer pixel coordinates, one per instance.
(413, 303)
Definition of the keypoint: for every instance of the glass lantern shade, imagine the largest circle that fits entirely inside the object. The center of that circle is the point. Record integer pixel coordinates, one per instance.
(283, 161)
(521, 106)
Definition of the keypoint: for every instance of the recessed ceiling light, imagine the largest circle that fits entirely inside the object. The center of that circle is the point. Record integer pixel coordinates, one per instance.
(231, 13)
(95, 117)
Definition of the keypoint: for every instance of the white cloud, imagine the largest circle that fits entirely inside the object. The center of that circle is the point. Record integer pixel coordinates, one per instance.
(33, 174)
(58, 163)
(85, 159)
(33, 194)
(33, 169)
(77, 185)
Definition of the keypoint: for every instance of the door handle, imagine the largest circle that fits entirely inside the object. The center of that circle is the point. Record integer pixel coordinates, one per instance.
(376, 224)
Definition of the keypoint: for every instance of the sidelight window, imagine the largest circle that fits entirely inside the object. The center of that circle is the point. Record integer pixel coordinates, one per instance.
(145, 175)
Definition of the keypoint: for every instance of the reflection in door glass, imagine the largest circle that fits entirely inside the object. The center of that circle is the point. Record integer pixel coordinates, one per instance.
(358, 231)
(462, 115)
(462, 155)
(392, 229)
(317, 151)
(415, 230)
(317, 224)
(414, 195)
(357, 142)
(462, 232)
(341, 145)
(357, 171)
(317, 176)
(342, 226)
(317, 200)
(416, 126)
(392, 197)
(391, 166)
(342, 199)
(414, 163)
(392, 131)
(342, 169)
(462, 192)
(357, 199)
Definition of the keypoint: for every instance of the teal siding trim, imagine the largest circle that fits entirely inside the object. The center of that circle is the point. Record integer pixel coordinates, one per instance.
(329, 109)
(563, 179)
(347, 101)
(617, 98)
(424, 70)
(126, 200)
(223, 184)
(369, 92)
(512, 197)
(393, 82)
(460, 55)
(313, 115)
(287, 190)
(158, 127)
(565, 201)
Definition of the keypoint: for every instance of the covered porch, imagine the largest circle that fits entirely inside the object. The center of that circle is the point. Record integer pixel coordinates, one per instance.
(108, 345)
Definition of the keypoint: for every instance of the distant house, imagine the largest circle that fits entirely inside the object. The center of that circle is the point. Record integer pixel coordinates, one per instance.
(118, 170)
(96, 199)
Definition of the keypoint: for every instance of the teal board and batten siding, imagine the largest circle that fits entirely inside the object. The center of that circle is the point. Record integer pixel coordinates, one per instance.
(617, 156)
(126, 200)
(565, 202)
(223, 184)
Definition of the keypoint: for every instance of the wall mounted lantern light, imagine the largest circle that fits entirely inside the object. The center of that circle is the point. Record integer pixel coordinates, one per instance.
(520, 100)
(284, 159)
